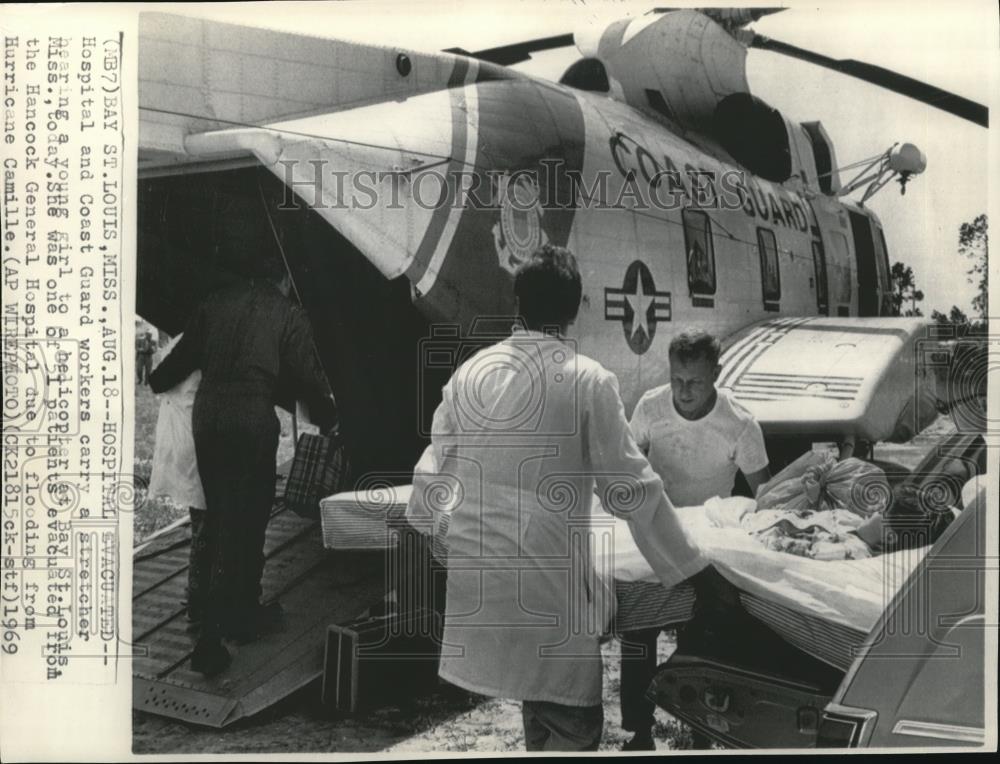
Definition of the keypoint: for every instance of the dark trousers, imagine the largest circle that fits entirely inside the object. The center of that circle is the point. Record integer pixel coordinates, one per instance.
(143, 367)
(716, 602)
(236, 442)
(555, 727)
(204, 548)
(638, 663)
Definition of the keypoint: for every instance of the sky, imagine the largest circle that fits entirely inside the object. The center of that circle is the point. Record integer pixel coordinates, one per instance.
(950, 45)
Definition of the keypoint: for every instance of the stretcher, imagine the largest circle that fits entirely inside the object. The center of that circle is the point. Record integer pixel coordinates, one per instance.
(825, 608)
(358, 520)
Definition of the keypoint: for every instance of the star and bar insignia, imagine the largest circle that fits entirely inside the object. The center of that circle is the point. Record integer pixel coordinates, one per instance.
(638, 306)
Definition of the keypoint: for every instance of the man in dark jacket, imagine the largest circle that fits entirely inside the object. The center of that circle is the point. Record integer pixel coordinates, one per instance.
(249, 340)
(144, 349)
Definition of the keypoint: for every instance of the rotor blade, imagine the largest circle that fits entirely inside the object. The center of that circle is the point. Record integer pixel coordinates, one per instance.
(735, 16)
(886, 78)
(505, 55)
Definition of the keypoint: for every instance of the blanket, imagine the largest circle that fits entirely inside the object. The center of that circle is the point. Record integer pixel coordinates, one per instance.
(851, 593)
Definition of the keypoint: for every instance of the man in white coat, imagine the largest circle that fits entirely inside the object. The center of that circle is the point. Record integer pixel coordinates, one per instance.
(525, 432)
(175, 474)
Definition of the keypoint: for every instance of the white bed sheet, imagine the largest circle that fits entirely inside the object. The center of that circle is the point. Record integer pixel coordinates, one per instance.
(852, 593)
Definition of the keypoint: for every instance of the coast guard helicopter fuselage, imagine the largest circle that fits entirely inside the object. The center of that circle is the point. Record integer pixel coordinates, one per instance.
(402, 189)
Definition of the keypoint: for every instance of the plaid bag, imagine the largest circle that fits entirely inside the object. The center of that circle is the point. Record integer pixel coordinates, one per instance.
(320, 468)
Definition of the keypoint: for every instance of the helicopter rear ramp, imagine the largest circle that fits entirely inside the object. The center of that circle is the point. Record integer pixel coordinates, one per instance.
(316, 588)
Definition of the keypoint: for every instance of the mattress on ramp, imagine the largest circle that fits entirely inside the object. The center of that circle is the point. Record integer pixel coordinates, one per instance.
(363, 519)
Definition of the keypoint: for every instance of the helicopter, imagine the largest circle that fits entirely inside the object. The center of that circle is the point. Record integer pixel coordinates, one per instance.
(401, 189)
(687, 200)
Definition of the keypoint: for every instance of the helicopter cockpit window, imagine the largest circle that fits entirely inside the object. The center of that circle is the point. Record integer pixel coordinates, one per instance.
(755, 135)
(700, 257)
(770, 275)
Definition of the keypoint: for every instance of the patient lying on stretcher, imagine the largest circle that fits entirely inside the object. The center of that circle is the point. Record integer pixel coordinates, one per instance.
(840, 534)
(828, 510)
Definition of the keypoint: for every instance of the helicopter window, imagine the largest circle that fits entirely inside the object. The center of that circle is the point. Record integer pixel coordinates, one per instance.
(770, 275)
(822, 154)
(840, 268)
(700, 257)
(819, 263)
(841, 272)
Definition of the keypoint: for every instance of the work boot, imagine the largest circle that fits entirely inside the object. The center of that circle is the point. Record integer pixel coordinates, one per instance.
(641, 741)
(210, 657)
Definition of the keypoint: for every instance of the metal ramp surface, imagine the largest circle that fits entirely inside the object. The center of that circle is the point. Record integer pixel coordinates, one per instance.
(316, 588)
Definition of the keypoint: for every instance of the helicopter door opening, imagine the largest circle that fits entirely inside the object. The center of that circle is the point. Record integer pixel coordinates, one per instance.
(873, 266)
(367, 331)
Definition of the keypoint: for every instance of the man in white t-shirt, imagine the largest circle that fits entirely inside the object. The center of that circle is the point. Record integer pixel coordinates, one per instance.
(696, 438)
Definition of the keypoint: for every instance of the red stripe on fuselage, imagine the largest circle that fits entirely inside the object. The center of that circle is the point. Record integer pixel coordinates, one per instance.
(459, 138)
(520, 124)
